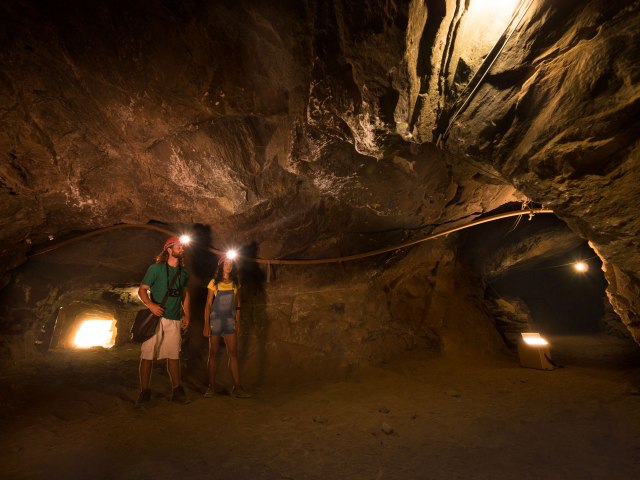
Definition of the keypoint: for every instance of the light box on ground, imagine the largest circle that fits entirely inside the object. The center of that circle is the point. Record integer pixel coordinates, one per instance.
(534, 352)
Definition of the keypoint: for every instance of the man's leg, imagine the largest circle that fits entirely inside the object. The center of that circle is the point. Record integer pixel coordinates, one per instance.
(144, 371)
(146, 366)
(170, 349)
(177, 393)
(173, 367)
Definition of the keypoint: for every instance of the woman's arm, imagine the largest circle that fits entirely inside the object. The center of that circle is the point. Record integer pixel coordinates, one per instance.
(207, 312)
(238, 310)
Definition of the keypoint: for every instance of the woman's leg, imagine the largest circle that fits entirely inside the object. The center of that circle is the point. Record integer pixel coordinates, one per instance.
(231, 341)
(212, 362)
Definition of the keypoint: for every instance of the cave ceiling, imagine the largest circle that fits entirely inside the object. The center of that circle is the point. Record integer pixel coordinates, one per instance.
(319, 128)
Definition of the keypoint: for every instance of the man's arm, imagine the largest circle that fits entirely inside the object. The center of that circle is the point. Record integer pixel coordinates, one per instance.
(186, 308)
(143, 293)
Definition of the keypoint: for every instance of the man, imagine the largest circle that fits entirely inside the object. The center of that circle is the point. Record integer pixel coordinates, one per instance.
(175, 313)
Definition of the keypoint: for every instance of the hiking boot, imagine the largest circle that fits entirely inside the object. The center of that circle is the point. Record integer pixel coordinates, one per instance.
(178, 395)
(143, 398)
(209, 393)
(238, 392)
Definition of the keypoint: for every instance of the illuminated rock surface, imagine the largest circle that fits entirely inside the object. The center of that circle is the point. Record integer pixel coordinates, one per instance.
(308, 130)
(301, 129)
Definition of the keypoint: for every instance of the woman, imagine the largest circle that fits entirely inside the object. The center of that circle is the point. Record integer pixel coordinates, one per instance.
(222, 319)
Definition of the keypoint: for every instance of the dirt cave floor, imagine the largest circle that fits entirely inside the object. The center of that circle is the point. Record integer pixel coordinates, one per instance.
(70, 415)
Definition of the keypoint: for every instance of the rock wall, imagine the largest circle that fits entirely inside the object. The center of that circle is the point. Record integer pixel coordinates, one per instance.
(624, 295)
(306, 322)
(557, 114)
(306, 127)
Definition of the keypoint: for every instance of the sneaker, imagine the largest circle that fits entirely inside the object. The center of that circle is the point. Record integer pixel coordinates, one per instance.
(209, 393)
(144, 397)
(238, 392)
(178, 395)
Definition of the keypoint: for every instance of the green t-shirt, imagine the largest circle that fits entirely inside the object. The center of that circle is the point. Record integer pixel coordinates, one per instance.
(156, 278)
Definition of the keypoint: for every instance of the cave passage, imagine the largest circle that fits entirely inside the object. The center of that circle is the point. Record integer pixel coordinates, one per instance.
(561, 299)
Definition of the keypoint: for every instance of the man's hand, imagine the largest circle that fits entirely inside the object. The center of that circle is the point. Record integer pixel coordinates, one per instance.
(185, 322)
(156, 309)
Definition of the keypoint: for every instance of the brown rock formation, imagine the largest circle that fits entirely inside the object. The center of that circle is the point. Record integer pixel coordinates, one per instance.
(309, 130)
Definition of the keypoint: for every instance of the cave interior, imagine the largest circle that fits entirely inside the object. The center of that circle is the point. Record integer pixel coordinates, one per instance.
(401, 180)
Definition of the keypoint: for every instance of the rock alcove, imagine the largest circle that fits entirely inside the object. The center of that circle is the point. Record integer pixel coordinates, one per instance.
(322, 129)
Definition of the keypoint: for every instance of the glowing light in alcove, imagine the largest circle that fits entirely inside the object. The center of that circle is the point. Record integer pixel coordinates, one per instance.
(95, 333)
(581, 266)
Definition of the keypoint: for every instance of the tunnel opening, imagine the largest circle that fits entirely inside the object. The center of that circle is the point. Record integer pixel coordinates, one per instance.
(539, 276)
(561, 299)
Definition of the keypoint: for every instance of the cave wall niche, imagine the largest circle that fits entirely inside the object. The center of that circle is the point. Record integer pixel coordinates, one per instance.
(71, 319)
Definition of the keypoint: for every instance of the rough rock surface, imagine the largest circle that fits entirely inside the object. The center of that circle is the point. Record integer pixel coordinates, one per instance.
(306, 128)
(321, 322)
(557, 114)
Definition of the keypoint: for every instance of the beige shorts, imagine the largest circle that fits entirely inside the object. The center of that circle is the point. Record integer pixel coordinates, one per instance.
(165, 343)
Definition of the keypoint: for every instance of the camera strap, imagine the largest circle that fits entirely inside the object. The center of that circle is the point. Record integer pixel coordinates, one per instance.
(170, 284)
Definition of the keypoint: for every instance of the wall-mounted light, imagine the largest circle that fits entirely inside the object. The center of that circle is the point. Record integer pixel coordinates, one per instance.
(534, 352)
(231, 254)
(185, 240)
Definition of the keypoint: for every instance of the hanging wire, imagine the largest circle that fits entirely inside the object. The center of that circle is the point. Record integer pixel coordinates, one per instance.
(318, 261)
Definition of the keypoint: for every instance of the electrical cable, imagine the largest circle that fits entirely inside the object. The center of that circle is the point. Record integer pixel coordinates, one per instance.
(347, 258)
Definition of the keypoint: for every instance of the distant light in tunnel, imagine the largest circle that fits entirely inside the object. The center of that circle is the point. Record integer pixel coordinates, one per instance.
(581, 266)
(95, 333)
(185, 239)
